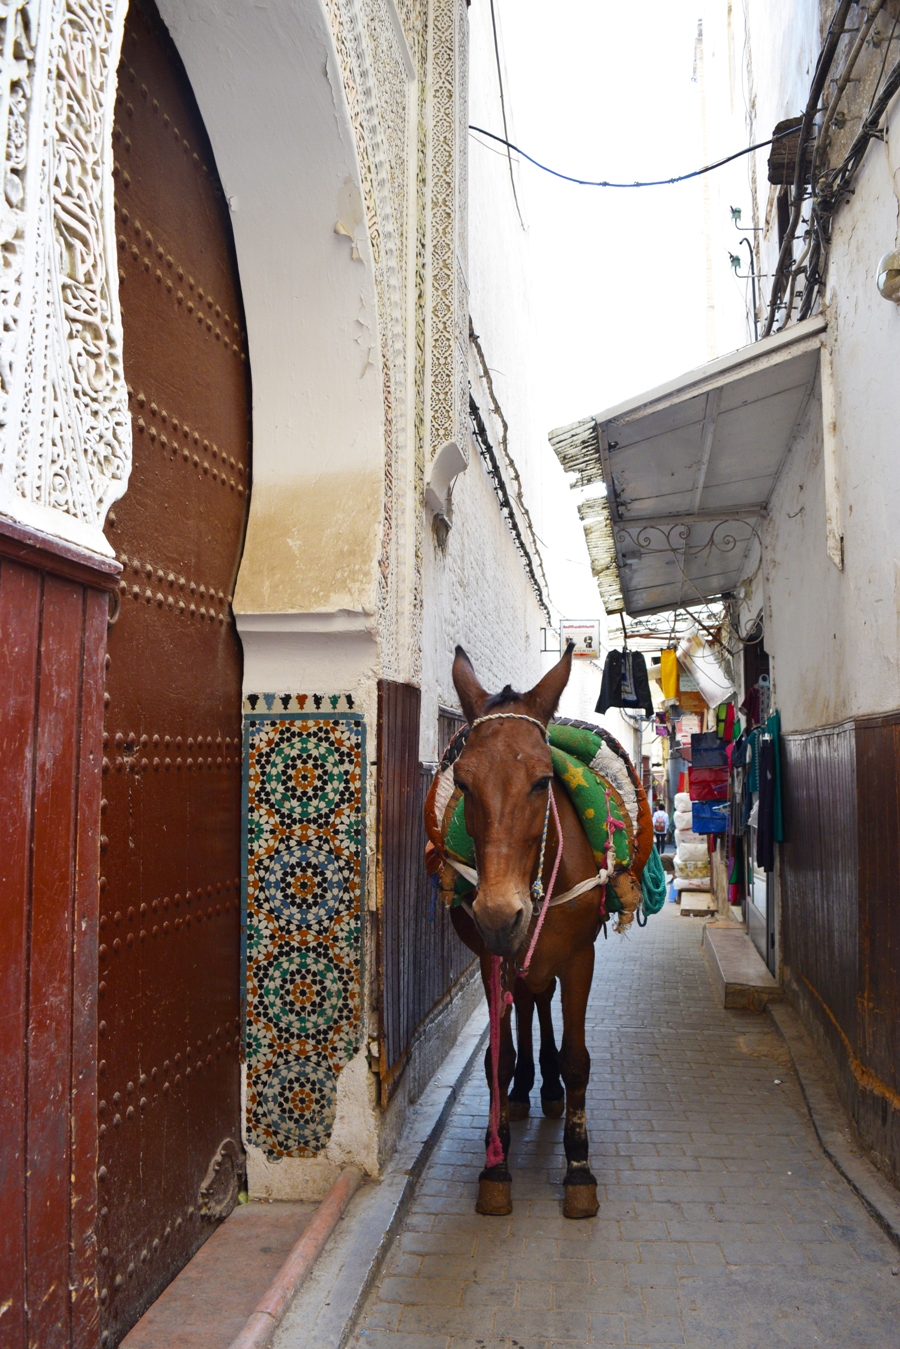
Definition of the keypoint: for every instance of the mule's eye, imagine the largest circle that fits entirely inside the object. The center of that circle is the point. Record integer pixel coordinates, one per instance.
(463, 786)
(540, 786)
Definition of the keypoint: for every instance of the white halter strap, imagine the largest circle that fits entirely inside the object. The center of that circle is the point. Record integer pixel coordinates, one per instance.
(512, 716)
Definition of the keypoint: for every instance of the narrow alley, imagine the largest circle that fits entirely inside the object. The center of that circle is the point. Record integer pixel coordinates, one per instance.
(721, 1220)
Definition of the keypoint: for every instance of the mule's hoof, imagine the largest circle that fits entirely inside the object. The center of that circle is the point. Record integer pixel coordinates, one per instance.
(554, 1109)
(519, 1109)
(494, 1198)
(580, 1201)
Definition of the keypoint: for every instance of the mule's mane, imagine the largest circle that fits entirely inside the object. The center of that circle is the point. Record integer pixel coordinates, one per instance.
(506, 695)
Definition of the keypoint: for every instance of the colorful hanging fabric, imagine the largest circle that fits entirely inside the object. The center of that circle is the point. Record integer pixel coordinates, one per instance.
(725, 720)
(669, 675)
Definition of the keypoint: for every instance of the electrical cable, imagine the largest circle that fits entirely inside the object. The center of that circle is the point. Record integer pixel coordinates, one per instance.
(823, 66)
(658, 182)
(503, 115)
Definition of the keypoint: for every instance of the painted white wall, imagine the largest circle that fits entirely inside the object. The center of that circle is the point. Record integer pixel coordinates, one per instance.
(834, 636)
(268, 84)
(476, 592)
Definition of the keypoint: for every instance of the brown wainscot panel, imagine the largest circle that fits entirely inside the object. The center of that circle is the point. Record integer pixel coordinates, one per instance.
(420, 958)
(53, 618)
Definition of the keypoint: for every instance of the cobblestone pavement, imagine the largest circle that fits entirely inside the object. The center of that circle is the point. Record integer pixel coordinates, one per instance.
(721, 1222)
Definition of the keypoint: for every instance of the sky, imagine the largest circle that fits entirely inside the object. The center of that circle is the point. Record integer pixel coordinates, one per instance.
(596, 91)
(602, 90)
(618, 276)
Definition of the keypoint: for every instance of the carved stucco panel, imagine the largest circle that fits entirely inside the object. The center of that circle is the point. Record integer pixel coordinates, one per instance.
(66, 447)
(382, 102)
(449, 303)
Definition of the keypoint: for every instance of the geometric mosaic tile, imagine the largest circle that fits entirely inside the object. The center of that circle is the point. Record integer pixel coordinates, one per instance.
(304, 816)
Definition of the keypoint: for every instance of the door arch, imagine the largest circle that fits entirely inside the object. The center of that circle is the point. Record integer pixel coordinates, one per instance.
(170, 1152)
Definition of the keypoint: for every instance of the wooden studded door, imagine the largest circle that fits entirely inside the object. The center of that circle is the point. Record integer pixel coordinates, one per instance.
(170, 1154)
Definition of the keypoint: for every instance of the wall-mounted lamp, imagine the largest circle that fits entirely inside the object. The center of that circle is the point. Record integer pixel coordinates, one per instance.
(888, 275)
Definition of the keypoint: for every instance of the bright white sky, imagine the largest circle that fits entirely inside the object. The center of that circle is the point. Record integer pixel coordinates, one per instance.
(601, 90)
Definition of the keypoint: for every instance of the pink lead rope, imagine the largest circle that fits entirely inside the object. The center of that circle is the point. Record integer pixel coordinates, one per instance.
(494, 1155)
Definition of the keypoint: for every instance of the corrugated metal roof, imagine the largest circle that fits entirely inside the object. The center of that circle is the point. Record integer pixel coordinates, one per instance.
(689, 470)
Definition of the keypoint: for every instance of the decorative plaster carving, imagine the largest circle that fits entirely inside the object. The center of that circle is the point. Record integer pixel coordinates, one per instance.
(66, 450)
(381, 99)
(449, 302)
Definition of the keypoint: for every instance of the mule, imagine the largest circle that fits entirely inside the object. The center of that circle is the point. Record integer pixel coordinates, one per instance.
(519, 825)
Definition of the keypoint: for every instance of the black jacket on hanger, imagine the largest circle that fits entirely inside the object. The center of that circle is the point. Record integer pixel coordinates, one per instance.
(625, 683)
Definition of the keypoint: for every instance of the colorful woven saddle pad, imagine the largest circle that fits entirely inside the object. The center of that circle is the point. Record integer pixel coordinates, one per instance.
(599, 779)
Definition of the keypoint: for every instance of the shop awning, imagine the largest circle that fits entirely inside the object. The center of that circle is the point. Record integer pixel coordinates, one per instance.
(689, 470)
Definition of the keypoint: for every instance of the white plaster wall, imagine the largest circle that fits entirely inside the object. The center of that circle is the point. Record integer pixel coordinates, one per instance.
(268, 84)
(834, 636)
(477, 592)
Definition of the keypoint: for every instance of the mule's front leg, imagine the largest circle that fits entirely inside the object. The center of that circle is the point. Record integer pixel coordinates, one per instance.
(575, 1065)
(495, 1182)
(523, 1081)
(552, 1094)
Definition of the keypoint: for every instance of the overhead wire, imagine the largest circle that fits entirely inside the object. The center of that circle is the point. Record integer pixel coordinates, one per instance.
(512, 178)
(657, 182)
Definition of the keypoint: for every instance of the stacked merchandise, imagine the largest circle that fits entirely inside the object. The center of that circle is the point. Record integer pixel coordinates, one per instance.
(708, 779)
(691, 850)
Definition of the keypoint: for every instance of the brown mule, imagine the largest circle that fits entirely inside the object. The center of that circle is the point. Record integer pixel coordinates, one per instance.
(504, 773)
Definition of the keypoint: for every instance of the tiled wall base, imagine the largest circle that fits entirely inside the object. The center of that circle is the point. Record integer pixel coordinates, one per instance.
(304, 823)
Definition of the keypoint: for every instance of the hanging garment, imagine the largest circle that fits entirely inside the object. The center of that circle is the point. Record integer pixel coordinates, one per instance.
(753, 759)
(765, 824)
(750, 706)
(708, 784)
(708, 751)
(625, 683)
(669, 675)
(738, 787)
(773, 728)
(725, 720)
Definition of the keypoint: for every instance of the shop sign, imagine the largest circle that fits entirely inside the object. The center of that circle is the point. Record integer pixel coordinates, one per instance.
(585, 633)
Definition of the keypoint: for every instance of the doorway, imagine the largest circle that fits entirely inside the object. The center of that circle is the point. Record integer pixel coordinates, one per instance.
(169, 1009)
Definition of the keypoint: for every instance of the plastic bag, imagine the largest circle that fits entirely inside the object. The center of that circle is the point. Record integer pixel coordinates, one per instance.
(693, 852)
(683, 883)
(682, 801)
(684, 819)
(692, 870)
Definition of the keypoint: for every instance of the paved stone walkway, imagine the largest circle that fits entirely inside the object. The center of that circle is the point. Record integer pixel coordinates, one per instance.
(721, 1221)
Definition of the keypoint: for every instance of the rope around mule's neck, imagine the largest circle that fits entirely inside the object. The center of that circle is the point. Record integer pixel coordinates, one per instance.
(523, 969)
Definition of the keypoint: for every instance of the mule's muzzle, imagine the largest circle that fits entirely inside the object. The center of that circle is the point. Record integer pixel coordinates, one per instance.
(503, 938)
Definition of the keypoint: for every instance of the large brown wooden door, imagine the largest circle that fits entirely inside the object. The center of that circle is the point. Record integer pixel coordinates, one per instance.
(169, 993)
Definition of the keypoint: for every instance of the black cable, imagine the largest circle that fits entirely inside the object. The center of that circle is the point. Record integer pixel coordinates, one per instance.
(489, 458)
(823, 66)
(659, 182)
(503, 114)
(887, 48)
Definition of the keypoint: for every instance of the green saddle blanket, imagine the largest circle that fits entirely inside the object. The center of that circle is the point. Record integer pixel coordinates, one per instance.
(599, 781)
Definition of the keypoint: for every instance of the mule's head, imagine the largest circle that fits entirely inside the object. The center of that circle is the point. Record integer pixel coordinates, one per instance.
(504, 773)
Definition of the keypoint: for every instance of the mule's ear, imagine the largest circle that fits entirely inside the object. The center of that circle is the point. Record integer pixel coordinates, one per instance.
(545, 696)
(472, 696)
